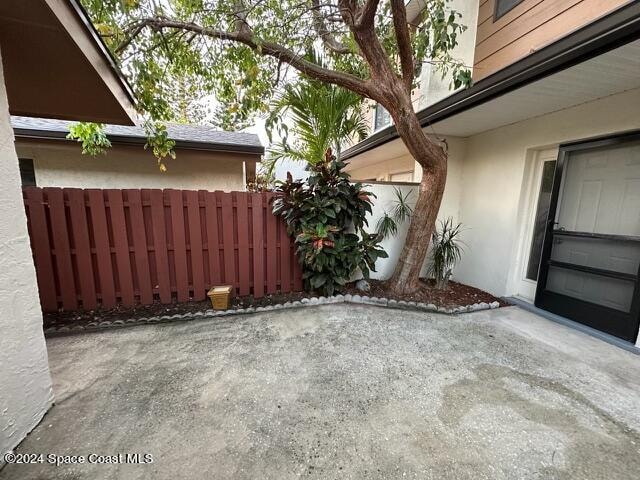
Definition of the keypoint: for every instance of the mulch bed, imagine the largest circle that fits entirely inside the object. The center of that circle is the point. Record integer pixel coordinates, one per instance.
(457, 294)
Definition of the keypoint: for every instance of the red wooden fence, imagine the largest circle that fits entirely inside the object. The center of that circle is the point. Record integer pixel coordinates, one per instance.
(100, 248)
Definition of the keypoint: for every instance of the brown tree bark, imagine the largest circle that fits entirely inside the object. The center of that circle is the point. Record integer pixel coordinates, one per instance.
(432, 157)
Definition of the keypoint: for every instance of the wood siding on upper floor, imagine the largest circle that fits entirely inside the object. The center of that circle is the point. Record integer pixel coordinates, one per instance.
(529, 26)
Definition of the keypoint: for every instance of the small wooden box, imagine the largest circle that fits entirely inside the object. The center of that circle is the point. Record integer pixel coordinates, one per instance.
(220, 296)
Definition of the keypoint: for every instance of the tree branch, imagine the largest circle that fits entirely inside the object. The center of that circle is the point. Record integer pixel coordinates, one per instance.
(367, 14)
(272, 49)
(327, 38)
(403, 37)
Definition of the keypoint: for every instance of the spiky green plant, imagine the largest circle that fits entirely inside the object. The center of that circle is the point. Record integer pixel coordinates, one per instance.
(446, 251)
(402, 210)
(386, 227)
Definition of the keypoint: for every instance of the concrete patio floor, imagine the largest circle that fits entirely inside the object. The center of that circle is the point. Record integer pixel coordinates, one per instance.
(343, 391)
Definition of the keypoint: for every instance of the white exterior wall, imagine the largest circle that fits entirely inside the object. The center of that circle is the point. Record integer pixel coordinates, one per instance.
(433, 87)
(25, 382)
(61, 164)
(495, 171)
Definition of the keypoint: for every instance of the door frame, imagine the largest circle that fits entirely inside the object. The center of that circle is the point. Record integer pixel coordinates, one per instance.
(591, 314)
(524, 287)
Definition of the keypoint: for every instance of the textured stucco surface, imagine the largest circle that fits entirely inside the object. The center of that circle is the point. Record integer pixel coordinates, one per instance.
(62, 164)
(343, 391)
(25, 383)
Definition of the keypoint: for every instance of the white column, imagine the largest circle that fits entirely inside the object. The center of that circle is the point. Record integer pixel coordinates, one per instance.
(25, 382)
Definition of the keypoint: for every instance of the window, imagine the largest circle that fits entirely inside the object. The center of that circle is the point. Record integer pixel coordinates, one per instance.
(27, 172)
(503, 6)
(540, 221)
(381, 118)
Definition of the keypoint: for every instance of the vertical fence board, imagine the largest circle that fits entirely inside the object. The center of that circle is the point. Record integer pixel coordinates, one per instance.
(271, 246)
(60, 234)
(179, 244)
(227, 239)
(195, 243)
(297, 269)
(40, 243)
(140, 246)
(84, 262)
(160, 245)
(258, 244)
(211, 208)
(121, 245)
(285, 259)
(103, 248)
(244, 269)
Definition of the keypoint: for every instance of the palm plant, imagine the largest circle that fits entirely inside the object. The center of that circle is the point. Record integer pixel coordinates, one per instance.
(323, 117)
(446, 251)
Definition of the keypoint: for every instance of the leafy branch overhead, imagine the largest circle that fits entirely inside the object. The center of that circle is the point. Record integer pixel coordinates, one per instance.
(241, 50)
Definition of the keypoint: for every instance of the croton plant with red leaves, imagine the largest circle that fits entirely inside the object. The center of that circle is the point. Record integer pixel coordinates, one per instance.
(327, 215)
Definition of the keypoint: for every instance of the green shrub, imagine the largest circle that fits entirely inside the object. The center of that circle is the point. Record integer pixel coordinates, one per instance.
(327, 216)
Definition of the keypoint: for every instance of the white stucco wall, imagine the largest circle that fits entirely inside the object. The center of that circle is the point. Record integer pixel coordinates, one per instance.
(493, 176)
(435, 87)
(62, 164)
(25, 382)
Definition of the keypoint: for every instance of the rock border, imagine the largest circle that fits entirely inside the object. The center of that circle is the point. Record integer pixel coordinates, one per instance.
(305, 302)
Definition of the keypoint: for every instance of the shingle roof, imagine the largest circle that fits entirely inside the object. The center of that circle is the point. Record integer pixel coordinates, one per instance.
(186, 136)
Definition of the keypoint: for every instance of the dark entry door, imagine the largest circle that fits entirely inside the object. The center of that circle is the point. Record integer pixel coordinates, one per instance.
(591, 256)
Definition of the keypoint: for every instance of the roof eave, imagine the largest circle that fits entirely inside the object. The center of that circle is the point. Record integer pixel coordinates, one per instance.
(30, 134)
(71, 14)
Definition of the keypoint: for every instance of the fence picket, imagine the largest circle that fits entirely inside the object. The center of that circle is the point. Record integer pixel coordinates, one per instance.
(195, 244)
(159, 228)
(258, 244)
(227, 239)
(271, 245)
(40, 243)
(179, 244)
(211, 209)
(103, 248)
(60, 234)
(244, 269)
(140, 247)
(121, 245)
(285, 259)
(84, 263)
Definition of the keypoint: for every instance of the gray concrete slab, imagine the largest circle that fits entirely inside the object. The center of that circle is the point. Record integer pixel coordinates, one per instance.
(343, 391)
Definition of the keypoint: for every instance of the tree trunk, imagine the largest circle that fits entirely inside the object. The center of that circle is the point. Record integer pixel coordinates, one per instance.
(406, 275)
(433, 159)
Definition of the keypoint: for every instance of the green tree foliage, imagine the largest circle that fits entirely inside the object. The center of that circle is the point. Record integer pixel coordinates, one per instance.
(241, 51)
(92, 137)
(327, 216)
